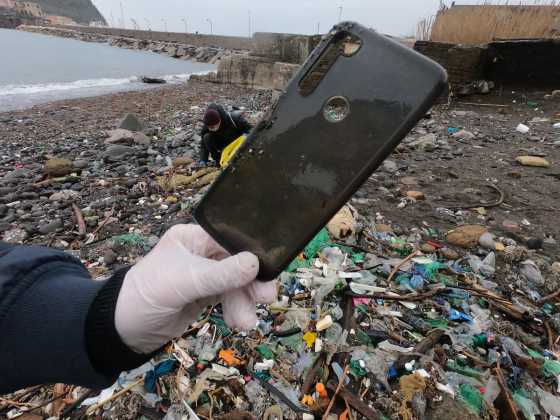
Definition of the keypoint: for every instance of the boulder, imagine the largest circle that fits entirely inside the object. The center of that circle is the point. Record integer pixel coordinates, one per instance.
(65, 195)
(182, 161)
(118, 152)
(141, 139)
(120, 136)
(131, 122)
(58, 167)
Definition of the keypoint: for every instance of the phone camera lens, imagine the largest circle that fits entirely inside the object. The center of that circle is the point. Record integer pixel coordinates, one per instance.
(336, 109)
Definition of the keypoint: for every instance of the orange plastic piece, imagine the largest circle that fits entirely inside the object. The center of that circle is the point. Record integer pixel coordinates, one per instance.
(308, 400)
(321, 390)
(228, 356)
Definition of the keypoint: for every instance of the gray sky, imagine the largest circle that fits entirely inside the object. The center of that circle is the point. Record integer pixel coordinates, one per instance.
(231, 17)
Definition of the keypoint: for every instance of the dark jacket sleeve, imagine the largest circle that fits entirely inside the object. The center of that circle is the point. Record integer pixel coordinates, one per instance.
(57, 324)
(204, 152)
(242, 124)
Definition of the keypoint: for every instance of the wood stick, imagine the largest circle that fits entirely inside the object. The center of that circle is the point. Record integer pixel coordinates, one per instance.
(488, 105)
(403, 262)
(548, 298)
(510, 404)
(79, 219)
(337, 390)
(113, 397)
(421, 348)
(355, 401)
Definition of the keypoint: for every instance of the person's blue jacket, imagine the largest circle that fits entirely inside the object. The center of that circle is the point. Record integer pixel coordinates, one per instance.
(56, 323)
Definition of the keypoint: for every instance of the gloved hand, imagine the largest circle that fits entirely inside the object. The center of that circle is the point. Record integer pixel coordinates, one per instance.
(187, 271)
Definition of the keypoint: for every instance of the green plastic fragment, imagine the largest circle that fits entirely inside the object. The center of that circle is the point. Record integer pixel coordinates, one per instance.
(471, 397)
(479, 340)
(527, 406)
(130, 239)
(363, 309)
(463, 370)
(535, 354)
(547, 308)
(320, 240)
(362, 337)
(262, 375)
(358, 257)
(298, 263)
(265, 352)
(356, 369)
(551, 368)
(294, 342)
(438, 323)
(532, 104)
(221, 326)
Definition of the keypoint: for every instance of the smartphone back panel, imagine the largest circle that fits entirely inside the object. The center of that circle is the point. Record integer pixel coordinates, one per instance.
(343, 113)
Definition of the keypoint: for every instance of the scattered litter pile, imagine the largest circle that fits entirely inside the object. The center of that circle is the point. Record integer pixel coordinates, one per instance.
(368, 324)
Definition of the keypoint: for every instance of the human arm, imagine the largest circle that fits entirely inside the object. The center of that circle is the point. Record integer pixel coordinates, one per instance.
(63, 327)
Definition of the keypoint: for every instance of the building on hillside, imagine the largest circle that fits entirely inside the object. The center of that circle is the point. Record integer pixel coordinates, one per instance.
(28, 8)
(60, 20)
(97, 24)
(7, 4)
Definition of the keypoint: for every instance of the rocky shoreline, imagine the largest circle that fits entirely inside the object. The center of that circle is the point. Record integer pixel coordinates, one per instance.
(77, 176)
(210, 55)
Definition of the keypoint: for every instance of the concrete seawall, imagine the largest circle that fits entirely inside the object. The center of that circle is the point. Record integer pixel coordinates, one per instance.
(197, 40)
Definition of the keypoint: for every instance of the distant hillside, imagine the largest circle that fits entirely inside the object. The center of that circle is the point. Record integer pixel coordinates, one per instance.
(81, 11)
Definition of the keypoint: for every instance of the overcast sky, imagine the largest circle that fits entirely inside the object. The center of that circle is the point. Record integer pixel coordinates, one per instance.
(231, 17)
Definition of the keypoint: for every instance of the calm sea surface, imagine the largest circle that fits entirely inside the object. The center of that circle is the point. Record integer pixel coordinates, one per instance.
(38, 68)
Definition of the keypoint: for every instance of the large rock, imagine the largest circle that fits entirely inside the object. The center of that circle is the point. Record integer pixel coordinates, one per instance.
(131, 122)
(117, 152)
(58, 167)
(65, 195)
(120, 136)
(182, 161)
(466, 236)
(427, 142)
(18, 174)
(141, 139)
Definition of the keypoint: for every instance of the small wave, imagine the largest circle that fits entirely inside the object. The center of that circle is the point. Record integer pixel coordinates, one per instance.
(31, 89)
(53, 87)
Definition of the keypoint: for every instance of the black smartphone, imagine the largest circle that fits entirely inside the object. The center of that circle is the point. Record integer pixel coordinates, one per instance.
(355, 98)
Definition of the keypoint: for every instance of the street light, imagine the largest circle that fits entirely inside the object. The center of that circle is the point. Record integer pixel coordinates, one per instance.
(164, 24)
(250, 23)
(186, 25)
(340, 13)
(211, 26)
(318, 28)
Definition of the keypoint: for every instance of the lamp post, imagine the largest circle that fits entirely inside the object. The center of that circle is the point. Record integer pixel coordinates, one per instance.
(339, 14)
(186, 25)
(164, 24)
(250, 25)
(211, 26)
(318, 28)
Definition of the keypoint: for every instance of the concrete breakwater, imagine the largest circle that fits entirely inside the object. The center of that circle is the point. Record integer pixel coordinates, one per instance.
(202, 53)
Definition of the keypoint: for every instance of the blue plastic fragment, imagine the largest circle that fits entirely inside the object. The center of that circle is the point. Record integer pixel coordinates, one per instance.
(392, 372)
(455, 315)
(161, 369)
(452, 130)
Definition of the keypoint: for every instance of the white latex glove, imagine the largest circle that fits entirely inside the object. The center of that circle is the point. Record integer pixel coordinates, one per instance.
(187, 271)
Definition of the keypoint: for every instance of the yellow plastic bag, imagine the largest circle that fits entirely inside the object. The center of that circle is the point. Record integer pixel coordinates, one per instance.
(229, 151)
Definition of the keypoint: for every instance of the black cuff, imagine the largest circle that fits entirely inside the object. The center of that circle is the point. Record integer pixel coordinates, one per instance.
(108, 354)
